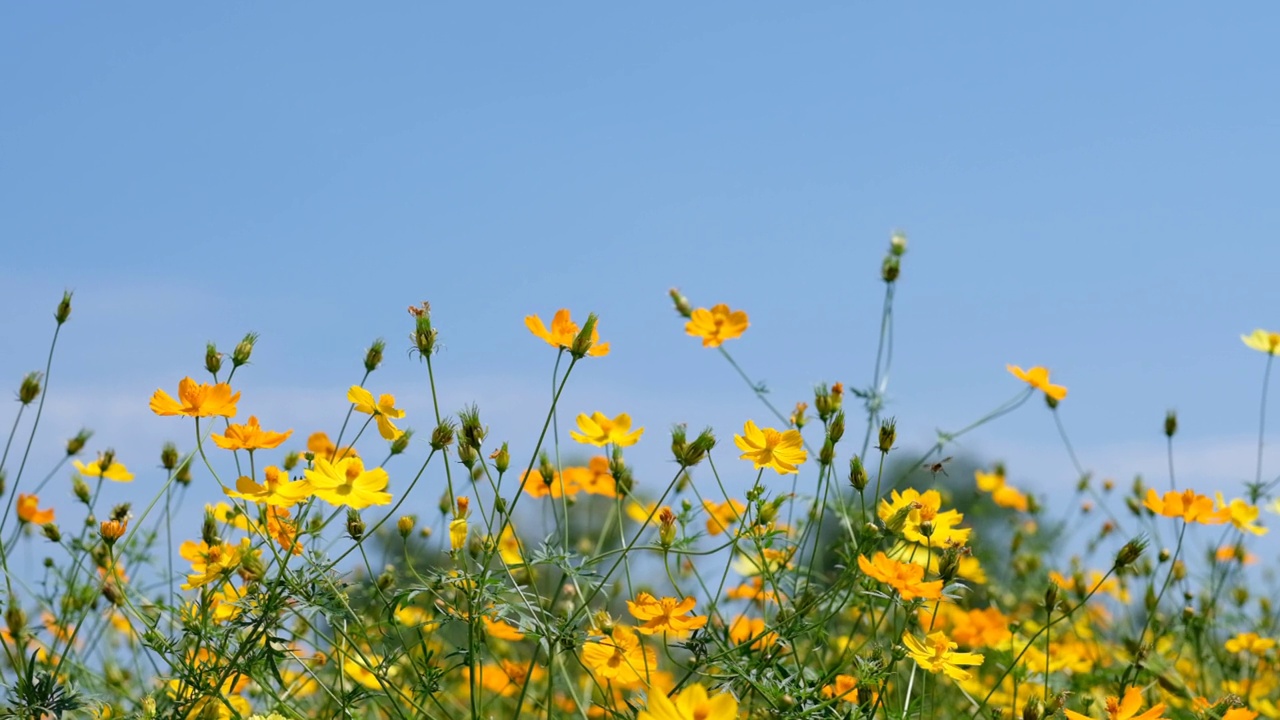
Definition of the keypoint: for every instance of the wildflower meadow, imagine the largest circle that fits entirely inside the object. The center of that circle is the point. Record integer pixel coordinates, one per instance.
(357, 568)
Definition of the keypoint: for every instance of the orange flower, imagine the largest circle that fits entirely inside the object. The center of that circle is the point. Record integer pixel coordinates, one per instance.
(1125, 709)
(716, 325)
(1038, 378)
(250, 436)
(619, 657)
(845, 688)
(1186, 505)
(667, 615)
(744, 629)
(563, 332)
(1002, 494)
(904, 577)
(721, 515)
(197, 400)
(30, 512)
(501, 629)
(593, 479)
(560, 485)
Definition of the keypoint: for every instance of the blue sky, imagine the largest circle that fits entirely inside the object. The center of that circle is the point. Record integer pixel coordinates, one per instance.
(1084, 187)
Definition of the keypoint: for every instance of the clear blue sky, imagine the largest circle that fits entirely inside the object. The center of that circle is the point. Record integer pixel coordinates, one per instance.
(1085, 186)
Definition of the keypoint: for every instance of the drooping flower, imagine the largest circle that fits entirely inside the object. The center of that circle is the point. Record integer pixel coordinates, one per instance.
(766, 447)
(563, 332)
(384, 410)
(1038, 378)
(692, 703)
(346, 482)
(1187, 505)
(1125, 709)
(668, 615)
(716, 325)
(196, 400)
(115, 471)
(599, 430)
(29, 511)
(1263, 341)
(936, 653)
(250, 436)
(906, 578)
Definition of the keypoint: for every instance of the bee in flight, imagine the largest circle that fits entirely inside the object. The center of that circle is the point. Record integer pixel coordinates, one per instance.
(937, 467)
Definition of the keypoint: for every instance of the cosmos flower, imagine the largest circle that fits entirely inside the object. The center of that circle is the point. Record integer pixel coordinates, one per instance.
(766, 447)
(599, 430)
(384, 410)
(346, 482)
(1263, 341)
(668, 615)
(1125, 709)
(692, 703)
(937, 654)
(250, 436)
(196, 400)
(716, 325)
(563, 332)
(1038, 378)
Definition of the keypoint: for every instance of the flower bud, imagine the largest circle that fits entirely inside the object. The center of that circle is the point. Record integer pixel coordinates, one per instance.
(212, 359)
(679, 441)
(442, 436)
(183, 477)
(373, 356)
(240, 355)
(890, 269)
(473, 433)
(80, 488)
(467, 455)
(835, 428)
(898, 243)
(169, 456)
(1033, 709)
(404, 525)
(77, 443)
(582, 343)
(52, 532)
(209, 529)
(797, 419)
(400, 444)
(424, 336)
(64, 308)
(112, 594)
(1170, 423)
(501, 459)
(1130, 553)
(112, 530)
(888, 433)
(355, 525)
(666, 527)
(857, 474)
(827, 454)
(822, 401)
(1051, 401)
(120, 512)
(29, 390)
(1051, 595)
(681, 302)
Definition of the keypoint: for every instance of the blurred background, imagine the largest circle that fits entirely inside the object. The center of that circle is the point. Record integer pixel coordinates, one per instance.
(1086, 190)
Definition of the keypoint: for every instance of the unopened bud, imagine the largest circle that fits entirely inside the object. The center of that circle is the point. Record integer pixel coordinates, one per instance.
(582, 343)
(424, 336)
(81, 489)
(442, 436)
(898, 243)
(77, 443)
(212, 359)
(501, 459)
(890, 269)
(209, 529)
(1131, 551)
(888, 433)
(1051, 595)
(1033, 709)
(827, 454)
(473, 432)
(681, 303)
(1051, 401)
(1170, 423)
(666, 527)
(404, 525)
(112, 530)
(373, 356)
(52, 532)
(183, 477)
(29, 390)
(857, 474)
(835, 428)
(399, 445)
(467, 455)
(64, 308)
(169, 456)
(355, 525)
(240, 355)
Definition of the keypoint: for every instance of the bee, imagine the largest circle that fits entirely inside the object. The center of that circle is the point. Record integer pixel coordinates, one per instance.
(937, 467)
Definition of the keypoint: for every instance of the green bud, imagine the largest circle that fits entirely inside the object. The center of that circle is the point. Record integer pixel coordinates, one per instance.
(64, 308)
(212, 359)
(373, 356)
(77, 443)
(29, 390)
(240, 355)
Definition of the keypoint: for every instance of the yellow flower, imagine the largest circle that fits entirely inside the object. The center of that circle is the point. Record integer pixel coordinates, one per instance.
(1002, 494)
(937, 654)
(501, 630)
(914, 508)
(906, 578)
(1250, 643)
(721, 515)
(197, 400)
(716, 325)
(319, 445)
(210, 562)
(844, 688)
(346, 482)
(29, 510)
(744, 629)
(693, 703)
(276, 489)
(767, 447)
(618, 657)
(599, 430)
(1263, 341)
(383, 410)
(1241, 514)
(114, 471)
(563, 331)
(458, 533)
(250, 436)
(1124, 709)
(1186, 505)
(1038, 378)
(509, 546)
(668, 615)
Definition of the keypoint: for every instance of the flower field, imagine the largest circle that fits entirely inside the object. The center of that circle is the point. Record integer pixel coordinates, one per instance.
(852, 578)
